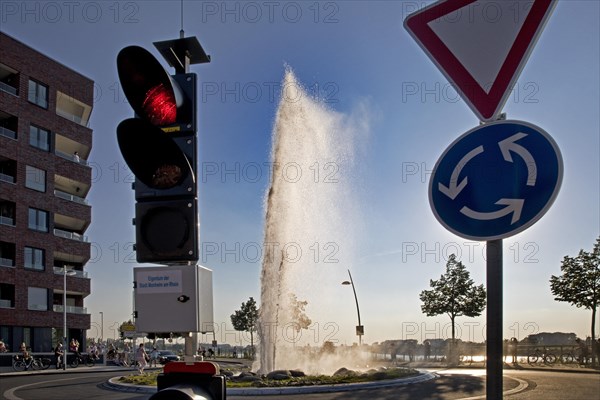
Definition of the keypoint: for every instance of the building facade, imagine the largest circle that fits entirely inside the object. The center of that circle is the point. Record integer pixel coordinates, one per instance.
(45, 178)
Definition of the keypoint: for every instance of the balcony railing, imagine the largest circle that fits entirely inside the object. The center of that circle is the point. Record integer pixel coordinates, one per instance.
(70, 309)
(71, 272)
(7, 178)
(8, 89)
(7, 221)
(7, 262)
(6, 303)
(70, 235)
(70, 157)
(8, 133)
(70, 197)
(75, 118)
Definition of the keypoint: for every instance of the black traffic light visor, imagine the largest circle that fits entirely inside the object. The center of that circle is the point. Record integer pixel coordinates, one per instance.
(150, 90)
(153, 156)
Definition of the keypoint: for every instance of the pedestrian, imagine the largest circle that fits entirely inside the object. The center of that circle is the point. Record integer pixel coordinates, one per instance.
(59, 354)
(3, 348)
(583, 351)
(140, 357)
(154, 355)
(76, 157)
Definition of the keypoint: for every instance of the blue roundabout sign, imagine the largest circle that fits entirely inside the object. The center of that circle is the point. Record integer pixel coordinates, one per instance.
(496, 180)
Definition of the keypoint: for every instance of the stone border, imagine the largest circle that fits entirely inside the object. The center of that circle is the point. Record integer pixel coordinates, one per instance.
(423, 376)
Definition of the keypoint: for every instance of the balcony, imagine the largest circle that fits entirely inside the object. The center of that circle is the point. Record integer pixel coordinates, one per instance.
(8, 89)
(6, 304)
(70, 197)
(9, 80)
(7, 178)
(70, 309)
(7, 221)
(72, 109)
(71, 235)
(8, 133)
(7, 262)
(71, 157)
(71, 272)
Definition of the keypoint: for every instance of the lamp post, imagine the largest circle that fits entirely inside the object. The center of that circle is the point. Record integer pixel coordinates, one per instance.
(101, 327)
(360, 330)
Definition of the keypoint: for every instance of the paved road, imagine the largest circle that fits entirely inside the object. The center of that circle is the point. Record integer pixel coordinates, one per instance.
(451, 385)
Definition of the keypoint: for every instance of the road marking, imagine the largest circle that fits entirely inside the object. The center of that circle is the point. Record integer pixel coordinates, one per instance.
(10, 394)
(522, 386)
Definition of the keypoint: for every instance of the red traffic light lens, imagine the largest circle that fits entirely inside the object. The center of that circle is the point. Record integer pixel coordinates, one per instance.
(160, 106)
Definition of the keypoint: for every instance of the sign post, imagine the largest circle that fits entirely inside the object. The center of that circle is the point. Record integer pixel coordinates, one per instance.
(498, 179)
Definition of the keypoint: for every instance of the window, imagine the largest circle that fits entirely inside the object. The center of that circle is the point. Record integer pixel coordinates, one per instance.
(35, 178)
(34, 258)
(38, 94)
(39, 137)
(37, 299)
(38, 220)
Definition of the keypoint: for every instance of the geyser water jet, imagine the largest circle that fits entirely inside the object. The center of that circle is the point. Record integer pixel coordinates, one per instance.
(310, 215)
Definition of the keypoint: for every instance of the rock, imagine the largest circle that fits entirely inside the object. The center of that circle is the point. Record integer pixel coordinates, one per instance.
(279, 375)
(344, 372)
(296, 373)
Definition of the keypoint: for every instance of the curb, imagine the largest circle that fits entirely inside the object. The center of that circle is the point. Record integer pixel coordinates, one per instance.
(423, 376)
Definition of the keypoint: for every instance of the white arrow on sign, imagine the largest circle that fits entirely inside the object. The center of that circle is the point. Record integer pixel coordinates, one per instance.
(507, 145)
(452, 190)
(512, 206)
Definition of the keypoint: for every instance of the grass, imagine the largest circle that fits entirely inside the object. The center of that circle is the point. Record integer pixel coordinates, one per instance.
(149, 379)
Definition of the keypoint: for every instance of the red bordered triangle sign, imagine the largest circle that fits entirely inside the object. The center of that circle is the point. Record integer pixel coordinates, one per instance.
(481, 46)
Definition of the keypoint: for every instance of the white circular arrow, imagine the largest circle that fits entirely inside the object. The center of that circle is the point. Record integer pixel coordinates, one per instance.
(507, 145)
(452, 190)
(514, 206)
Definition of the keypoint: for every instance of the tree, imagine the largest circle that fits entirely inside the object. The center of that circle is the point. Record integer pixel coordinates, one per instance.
(246, 318)
(298, 315)
(579, 283)
(454, 294)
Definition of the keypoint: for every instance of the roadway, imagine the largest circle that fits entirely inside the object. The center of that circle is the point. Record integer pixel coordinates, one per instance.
(452, 384)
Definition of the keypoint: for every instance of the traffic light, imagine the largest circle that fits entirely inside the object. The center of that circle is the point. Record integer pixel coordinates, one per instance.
(159, 145)
(190, 381)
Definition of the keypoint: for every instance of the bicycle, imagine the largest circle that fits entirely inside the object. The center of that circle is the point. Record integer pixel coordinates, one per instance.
(544, 356)
(81, 359)
(22, 364)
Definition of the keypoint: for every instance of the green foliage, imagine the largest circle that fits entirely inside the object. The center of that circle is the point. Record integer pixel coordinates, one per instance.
(246, 318)
(454, 294)
(579, 283)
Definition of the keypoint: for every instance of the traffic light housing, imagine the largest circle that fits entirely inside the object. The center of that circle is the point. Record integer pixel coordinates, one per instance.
(159, 145)
(190, 381)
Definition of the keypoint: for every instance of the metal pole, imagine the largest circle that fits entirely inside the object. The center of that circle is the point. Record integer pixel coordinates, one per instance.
(357, 309)
(494, 320)
(64, 318)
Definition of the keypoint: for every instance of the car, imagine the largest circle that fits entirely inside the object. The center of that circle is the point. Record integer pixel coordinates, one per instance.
(166, 356)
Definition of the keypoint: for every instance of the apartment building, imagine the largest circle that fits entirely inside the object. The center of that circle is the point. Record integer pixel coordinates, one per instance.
(45, 178)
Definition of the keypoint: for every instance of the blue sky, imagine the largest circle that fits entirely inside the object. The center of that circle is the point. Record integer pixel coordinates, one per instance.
(352, 55)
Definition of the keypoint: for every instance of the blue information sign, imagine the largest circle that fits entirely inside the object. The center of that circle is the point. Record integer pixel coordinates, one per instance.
(496, 180)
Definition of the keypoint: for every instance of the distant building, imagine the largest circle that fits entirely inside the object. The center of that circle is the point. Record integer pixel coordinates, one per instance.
(44, 180)
(551, 339)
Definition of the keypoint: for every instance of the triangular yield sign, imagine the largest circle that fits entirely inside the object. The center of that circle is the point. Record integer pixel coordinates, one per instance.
(481, 46)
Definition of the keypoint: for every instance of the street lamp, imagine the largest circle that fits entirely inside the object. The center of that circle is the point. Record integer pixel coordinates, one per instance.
(360, 330)
(65, 273)
(101, 327)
